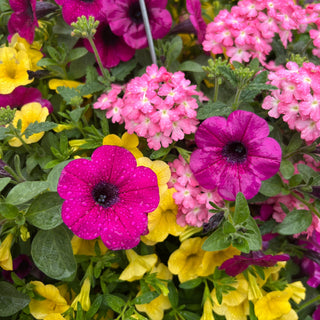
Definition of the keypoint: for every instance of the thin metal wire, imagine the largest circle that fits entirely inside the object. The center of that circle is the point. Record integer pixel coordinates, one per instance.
(148, 31)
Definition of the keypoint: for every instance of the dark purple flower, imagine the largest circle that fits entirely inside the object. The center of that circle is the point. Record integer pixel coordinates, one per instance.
(235, 154)
(112, 49)
(310, 262)
(125, 19)
(23, 95)
(23, 20)
(108, 196)
(72, 9)
(23, 266)
(316, 314)
(238, 264)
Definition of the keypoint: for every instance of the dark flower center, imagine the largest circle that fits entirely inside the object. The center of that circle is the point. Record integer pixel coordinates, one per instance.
(87, 0)
(235, 152)
(105, 194)
(135, 13)
(108, 37)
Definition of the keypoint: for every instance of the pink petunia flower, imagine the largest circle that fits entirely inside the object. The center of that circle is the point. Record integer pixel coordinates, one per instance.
(23, 95)
(23, 20)
(108, 196)
(235, 154)
(125, 19)
(72, 9)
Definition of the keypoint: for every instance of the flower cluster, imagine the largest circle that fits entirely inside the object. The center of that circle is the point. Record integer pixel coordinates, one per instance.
(297, 98)
(247, 31)
(159, 106)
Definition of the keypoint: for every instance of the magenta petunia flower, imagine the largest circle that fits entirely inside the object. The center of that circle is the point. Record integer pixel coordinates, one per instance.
(23, 95)
(23, 20)
(126, 20)
(72, 9)
(112, 48)
(108, 196)
(235, 154)
(194, 9)
(238, 264)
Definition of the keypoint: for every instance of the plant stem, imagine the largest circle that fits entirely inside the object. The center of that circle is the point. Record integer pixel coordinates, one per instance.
(309, 205)
(236, 99)
(309, 303)
(216, 89)
(98, 58)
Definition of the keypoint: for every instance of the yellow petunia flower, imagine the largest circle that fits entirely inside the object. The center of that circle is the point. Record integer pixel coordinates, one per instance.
(29, 113)
(235, 304)
(54, 316)
(138, 265)
(298, 291)
(162, 221)
(83, 297)
(155, 309)
(273, 305)
(207, 310)
(32, 50)
(86, 247)
(186, 260)
(55, 83)
(53, 302)
(13, 69)
(160, 168)
(5, 253)
(127, 141)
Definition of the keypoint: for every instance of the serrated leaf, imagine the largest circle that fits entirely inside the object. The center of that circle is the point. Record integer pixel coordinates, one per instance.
(52, 253)
(68, 94)
(90, 88)
(11, 300)
(37, 127)
(26, 191)
(229, 75)
(45, 211)
(241, 212)
(209, 109)
(4, 132)
(295, 221)
(216, 241)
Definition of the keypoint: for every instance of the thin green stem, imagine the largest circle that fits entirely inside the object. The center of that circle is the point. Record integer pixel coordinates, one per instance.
(216, 89)
(236, 99)
(98, 58)
(309, 205)
(309, 303)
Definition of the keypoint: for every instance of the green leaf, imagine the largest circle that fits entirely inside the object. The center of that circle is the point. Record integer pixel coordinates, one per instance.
(45, 62)
(252, 234)
(68, 94)
(54, 175)
(229, 75)
(294, 143)
(241, 244)
(287, 169)
(45, 211)
(123, 69)
(295, 180)
(173, 294)
(228, 228)
(209, 109)
(241, 212)
(4, 132)
(271, 187)
(52, 253)
(114, 302)
(159, 153)
(188, 315)
(8, 211)
(77, 53)
(54, 54)
(216, 241)
(37, 127)
(146, 297)
(4, 182)
(190, 66)
(26, 191)
(90, 88)
(175, 49)
(190, 284)
(295, 221)
(11, 300)
(306, 172)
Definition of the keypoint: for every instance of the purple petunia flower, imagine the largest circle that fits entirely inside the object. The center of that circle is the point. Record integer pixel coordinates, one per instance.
(108, 196)
(112, 49)
(72, 9)
(316, 314)
(308, 263)
(23, 20)
(238, 264)
(23, 95)
(194, 8)
(125, 19)
(235, 154)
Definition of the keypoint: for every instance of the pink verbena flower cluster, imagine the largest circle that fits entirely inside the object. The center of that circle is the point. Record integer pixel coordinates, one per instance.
(192, 199)
(248, 29)
(313, 10)
(297, 98)
(159, 106)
